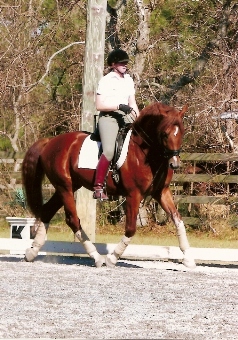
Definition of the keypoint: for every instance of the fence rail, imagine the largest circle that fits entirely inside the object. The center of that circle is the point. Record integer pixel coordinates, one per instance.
(194, 157)
(209, 157)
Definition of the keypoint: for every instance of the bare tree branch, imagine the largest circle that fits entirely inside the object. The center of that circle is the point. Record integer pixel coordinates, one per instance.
(30, 87)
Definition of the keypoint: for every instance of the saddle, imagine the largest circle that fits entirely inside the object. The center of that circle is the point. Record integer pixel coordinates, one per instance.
(95, 136)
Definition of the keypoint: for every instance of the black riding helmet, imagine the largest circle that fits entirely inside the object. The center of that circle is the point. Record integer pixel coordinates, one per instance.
(117, 56)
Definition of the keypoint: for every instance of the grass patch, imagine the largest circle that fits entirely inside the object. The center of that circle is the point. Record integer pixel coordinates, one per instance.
(4, 230)
(60, 233)
(194, 241)
(166, 236)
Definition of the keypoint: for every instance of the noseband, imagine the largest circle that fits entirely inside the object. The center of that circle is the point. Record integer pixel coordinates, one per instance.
(170, 153)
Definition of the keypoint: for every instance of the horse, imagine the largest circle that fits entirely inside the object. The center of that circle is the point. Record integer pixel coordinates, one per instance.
(152, 157)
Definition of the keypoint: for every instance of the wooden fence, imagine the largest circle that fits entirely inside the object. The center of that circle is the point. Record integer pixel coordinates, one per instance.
(15, 159)
(226, 178)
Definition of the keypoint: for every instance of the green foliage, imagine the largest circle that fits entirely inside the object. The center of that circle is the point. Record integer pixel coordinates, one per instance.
(112, 3)
(4, 143)
(181, 29)
(14, 203)
(129, 29)
(160, 19)
(20, 198)
(49, 9)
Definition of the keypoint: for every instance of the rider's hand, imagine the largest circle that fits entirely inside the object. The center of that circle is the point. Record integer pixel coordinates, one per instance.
(125, 108)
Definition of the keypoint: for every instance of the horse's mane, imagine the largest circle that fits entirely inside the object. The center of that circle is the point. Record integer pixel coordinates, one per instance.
(159, 113)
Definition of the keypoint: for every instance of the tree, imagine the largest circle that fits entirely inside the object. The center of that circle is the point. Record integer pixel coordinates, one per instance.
(180, 52)
(31, 33)
(93, 71)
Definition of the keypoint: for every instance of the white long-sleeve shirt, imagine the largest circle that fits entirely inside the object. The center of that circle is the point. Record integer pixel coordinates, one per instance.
(115, 89)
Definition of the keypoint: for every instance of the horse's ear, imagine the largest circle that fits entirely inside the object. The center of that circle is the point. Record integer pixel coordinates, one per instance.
(184, 109)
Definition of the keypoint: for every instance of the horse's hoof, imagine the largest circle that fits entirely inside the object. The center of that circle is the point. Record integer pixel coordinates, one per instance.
(109, 262)
(189, 263)
(30, 254)
(100, 262)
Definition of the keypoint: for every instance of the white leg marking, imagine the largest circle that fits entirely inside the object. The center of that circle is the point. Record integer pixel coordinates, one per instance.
(188, 260)
(111, 259)
(37, 243)
(90, 248)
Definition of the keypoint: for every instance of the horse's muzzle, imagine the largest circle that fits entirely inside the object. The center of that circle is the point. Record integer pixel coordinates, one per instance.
(174, 162)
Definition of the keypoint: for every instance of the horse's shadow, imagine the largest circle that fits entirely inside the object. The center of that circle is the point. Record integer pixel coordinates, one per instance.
(77, 260)
(88, 262)
(67, 260)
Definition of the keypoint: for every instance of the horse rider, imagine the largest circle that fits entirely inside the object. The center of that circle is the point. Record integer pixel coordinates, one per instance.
(115, 98)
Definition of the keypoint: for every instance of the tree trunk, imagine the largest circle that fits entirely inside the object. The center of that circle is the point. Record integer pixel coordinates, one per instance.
(93, 71)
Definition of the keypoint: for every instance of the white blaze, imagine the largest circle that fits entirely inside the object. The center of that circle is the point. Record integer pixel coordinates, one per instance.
(176, 130)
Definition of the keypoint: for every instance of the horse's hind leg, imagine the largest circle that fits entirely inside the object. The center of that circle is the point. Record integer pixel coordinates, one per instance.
(61, 197)
(38, 242)
(49, 209)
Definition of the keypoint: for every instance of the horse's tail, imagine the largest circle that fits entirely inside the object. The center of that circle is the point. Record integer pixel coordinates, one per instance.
(32, 176)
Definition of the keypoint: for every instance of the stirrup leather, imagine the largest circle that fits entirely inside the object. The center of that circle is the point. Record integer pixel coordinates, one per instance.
(99, 193)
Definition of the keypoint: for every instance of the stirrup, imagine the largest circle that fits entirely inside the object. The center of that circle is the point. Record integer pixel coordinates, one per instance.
(99, 193)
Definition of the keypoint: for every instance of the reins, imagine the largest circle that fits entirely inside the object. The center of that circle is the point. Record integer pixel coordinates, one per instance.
(147, 136)
(152, 183)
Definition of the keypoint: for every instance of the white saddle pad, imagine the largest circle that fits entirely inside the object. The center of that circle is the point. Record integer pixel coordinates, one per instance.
(88, 156)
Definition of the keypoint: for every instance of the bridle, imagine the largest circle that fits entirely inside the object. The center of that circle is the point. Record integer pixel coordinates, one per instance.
(167, 153)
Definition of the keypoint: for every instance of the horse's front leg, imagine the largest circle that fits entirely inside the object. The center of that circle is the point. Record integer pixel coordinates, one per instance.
(90, 248)
(132, 208)
(74, 223)
(167, 203)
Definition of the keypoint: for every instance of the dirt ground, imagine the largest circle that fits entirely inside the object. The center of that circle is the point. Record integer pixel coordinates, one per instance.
(63, 297)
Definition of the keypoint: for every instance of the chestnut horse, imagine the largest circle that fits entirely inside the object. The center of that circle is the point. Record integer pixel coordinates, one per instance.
(153, 154)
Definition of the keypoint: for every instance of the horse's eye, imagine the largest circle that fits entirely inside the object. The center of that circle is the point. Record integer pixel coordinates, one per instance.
(164, 135)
